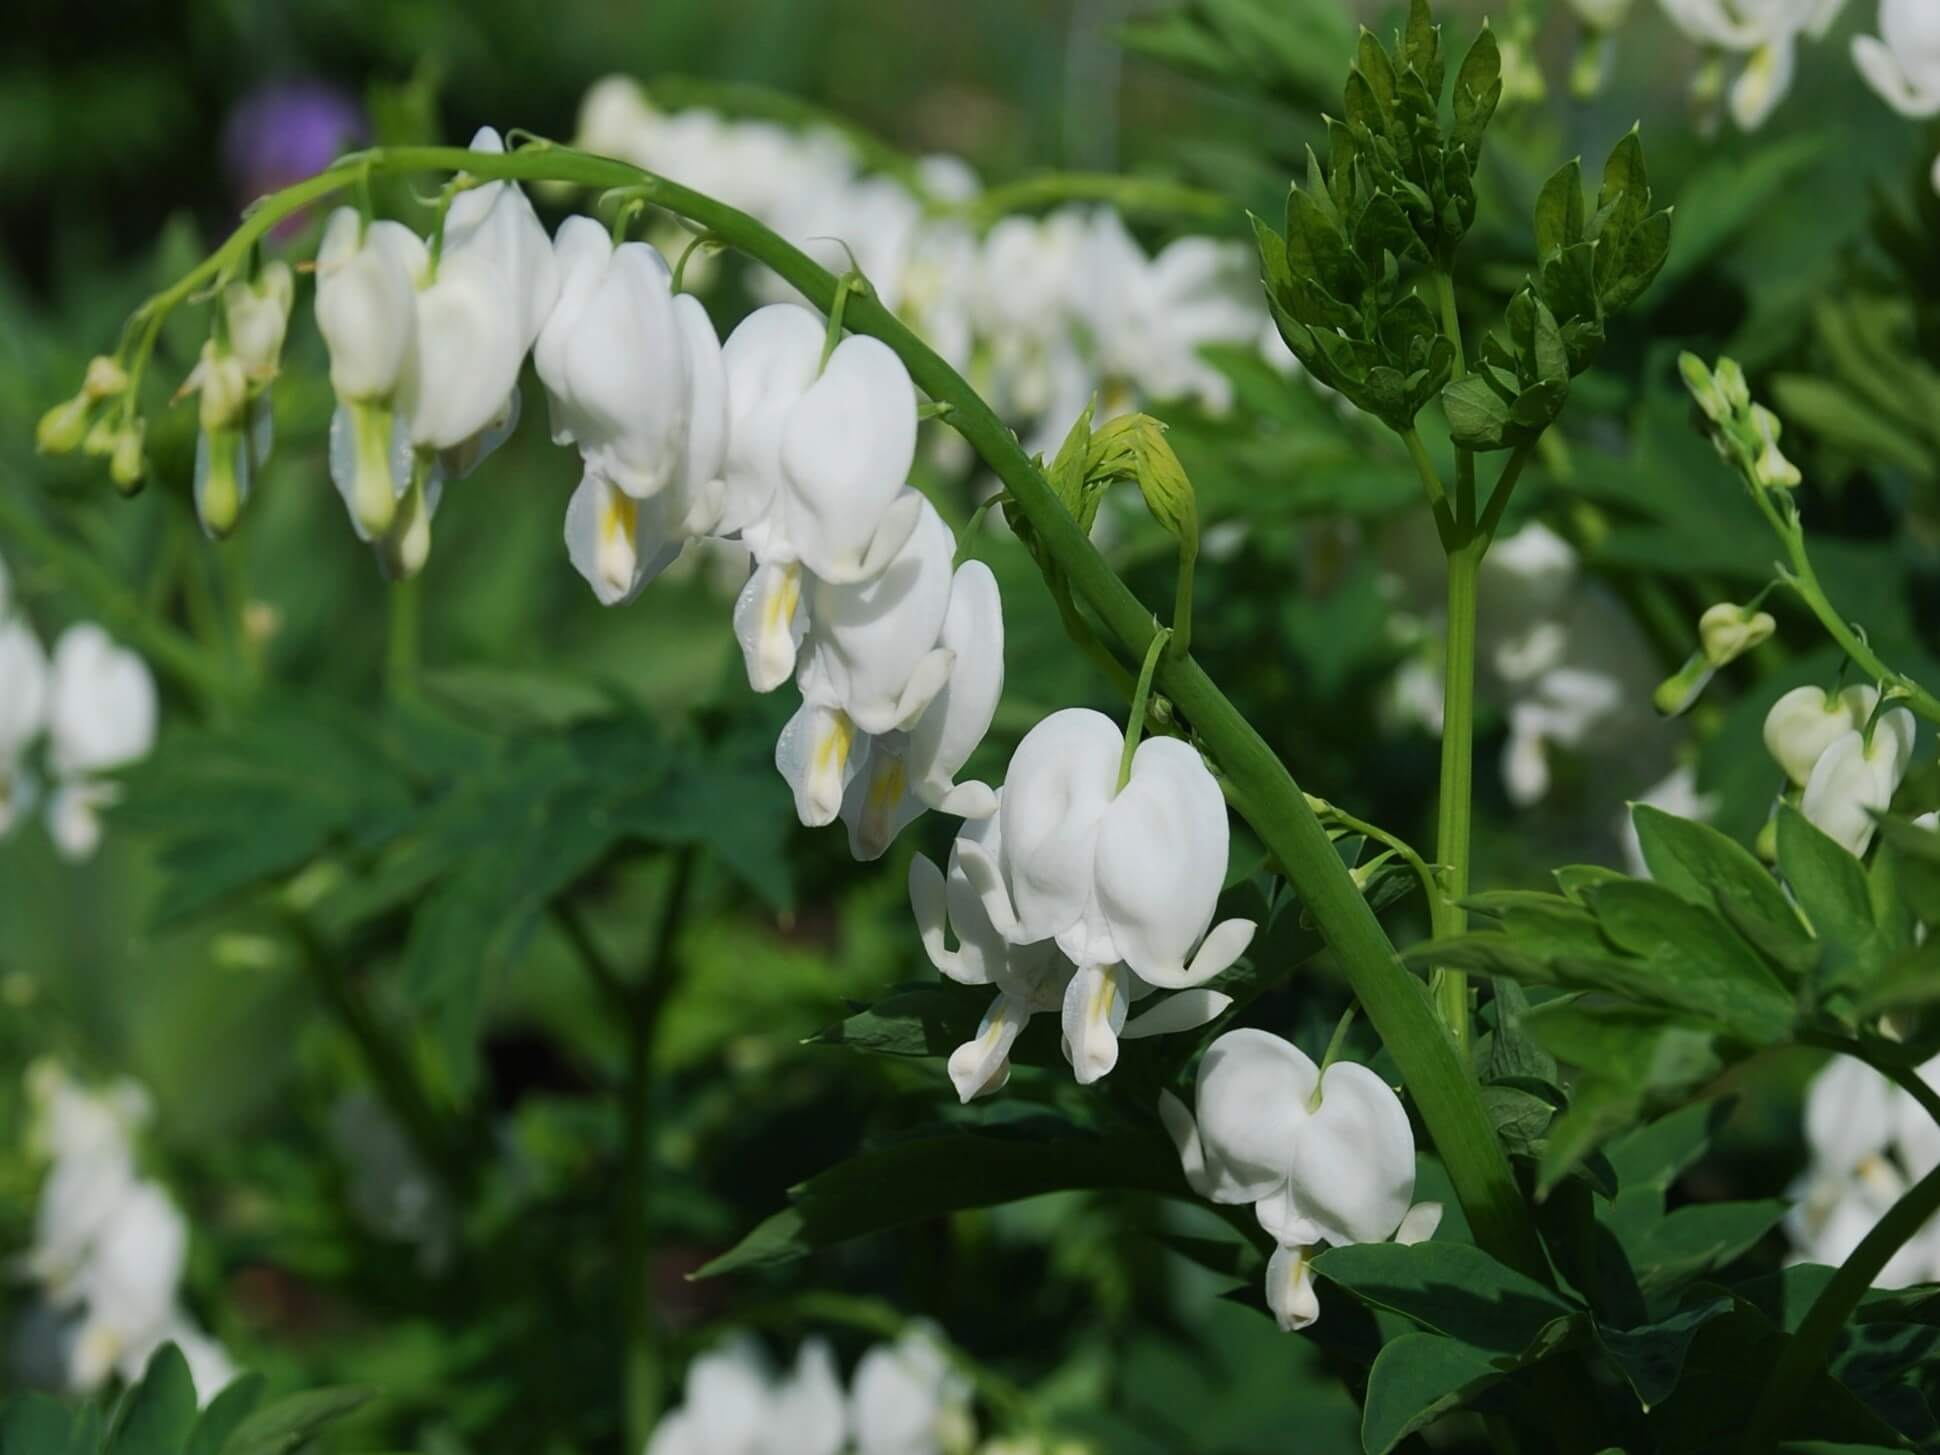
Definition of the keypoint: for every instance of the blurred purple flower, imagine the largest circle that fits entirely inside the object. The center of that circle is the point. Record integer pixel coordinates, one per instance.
(286, 131)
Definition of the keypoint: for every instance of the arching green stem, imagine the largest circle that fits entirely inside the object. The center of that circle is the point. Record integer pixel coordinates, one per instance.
(1395, 1002)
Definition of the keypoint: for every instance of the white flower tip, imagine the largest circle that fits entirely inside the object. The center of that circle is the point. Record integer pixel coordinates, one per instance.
(1419, 1223)
(1290, 1289)
(1185, 1011)
(1225, 942)
(964, 800)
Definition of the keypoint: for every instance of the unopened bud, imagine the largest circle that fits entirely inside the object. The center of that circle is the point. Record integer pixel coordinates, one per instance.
(127, 466)
(100, 438)
(1731, 383)
(1728, 631)
(221, 487)
(1767, 842)
(1677, 692)
(1771, 469)
(223, 383)
(1704, 387)
(105, 378)
(62, 428)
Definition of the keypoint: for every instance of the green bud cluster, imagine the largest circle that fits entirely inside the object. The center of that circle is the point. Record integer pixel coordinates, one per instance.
(1744, 431)
(1398, 185)
(1590, 265)
(99, 421)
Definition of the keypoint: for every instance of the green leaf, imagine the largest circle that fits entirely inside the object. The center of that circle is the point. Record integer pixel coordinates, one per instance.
(1830, 887)
(1704, 866)
(1415, 1380)
(289, 1424)
(1703, 963)
(1559, 211)
(937, 1172)
(1651, 1356)
(1421, 46)
(1454, 1289)
(38, 1424)
(156, 1416)
(1478, 87)
(1478, 418)
(224, 1415)
(1698, 1238)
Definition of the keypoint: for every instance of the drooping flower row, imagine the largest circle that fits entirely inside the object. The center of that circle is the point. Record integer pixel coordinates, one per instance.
(93, 707)
(109, 1246)
(1044, 313)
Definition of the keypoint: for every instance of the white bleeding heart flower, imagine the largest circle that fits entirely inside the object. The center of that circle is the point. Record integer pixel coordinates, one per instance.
(496, 221)
(467, 354)
(907, 772)
(24, 683)
(1029, 979)
(366, 308)
(733, 1404)
(1902, 63)
(1856, 778)
(1114, 874)
(1806, 721)
(1323, 1156)
(906, 1399)
(614, 361)
(257, 313)
(819, 753)
(871, 648)
(101, 715)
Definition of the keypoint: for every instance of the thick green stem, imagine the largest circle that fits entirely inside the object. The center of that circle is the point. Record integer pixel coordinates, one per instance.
(1395, 1001)
(401, 644)
(1452, 824)
(643, 1378)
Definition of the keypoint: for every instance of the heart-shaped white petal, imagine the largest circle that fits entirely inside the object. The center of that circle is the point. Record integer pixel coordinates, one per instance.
(1162, 859)
(1804, 722)
(1252, 1106)
(769, 362)
(954, 724)
(1353, 1168)
(1061, 781)
(846, 452)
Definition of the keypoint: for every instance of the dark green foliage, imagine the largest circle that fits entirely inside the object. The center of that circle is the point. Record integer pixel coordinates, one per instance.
(1397, 187)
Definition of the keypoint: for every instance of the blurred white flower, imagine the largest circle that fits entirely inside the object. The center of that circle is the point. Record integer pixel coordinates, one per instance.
(1675, 793)
(905, 1399)
(109, 1246)
(1768, 31)
(101, 716)
(1902, 62)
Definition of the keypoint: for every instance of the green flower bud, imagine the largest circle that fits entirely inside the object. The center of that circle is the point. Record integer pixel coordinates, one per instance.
(1728, 631)
(105, 378)
(1771, 469)
(62, 428)
(1731, 383)
(1676, 693)
(1767, 843)
(1704, 387)
(128, 465)
(220, 487)
(100, 438)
